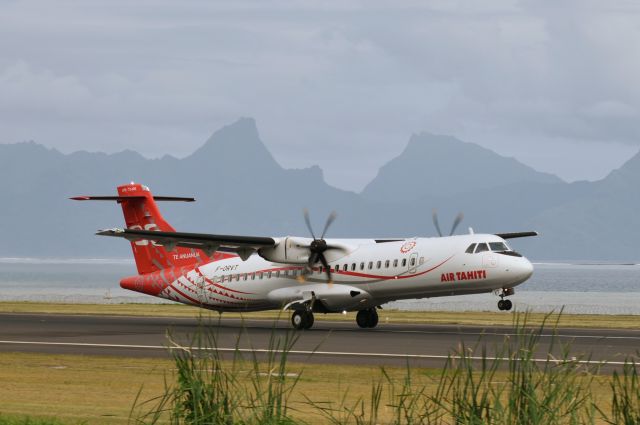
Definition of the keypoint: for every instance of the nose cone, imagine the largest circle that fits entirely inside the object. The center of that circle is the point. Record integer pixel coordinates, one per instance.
(525, 269)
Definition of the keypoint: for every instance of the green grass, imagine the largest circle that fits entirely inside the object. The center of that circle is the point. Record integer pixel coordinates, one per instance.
(26, 420)
(509, 388)
(200, 387)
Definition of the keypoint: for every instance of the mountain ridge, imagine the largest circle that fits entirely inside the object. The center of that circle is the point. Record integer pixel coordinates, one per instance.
(242, 189)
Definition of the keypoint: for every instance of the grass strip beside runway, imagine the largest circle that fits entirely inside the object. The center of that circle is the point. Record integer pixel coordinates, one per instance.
(386, 316)
(102, 390)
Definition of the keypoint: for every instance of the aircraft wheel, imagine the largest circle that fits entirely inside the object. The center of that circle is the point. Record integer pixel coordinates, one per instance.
(367, 318)
(308, 319)
(301, 319)
(362, 318)
(508, 305)
(501, 304)
(373, 318)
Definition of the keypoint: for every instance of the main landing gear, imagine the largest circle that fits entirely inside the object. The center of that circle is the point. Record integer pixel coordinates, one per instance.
(505, 305)
(367, 318)
(302, 319)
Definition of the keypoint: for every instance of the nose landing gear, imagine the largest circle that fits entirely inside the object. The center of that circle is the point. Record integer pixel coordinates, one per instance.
(505, 305)
(367, 318)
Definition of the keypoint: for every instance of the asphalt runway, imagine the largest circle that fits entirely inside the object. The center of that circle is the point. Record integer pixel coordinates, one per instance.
(421, 345)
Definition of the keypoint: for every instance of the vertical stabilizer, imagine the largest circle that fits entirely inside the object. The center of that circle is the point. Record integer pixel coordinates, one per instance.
(141, 212)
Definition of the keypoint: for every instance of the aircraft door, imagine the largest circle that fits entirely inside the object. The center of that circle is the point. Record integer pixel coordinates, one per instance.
(201, 289)
(413, 262)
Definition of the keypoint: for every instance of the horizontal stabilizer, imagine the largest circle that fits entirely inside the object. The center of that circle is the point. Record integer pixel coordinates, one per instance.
(125, 198)
(514, 235)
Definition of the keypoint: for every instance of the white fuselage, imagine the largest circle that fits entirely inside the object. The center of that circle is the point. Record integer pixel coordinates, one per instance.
(365, 275)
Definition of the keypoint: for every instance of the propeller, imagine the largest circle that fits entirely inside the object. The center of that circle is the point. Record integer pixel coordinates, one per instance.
(317, 248)
(456, 222)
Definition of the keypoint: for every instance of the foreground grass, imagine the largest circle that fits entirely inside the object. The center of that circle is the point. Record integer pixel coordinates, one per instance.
(70, 389)
(102, 390)
(199, 387)
(386, 316)
(474, 387)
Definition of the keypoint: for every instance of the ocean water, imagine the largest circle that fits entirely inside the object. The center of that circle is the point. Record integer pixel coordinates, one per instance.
(578, 288)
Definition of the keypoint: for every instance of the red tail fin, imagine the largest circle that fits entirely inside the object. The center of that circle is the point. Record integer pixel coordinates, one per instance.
(141, 212)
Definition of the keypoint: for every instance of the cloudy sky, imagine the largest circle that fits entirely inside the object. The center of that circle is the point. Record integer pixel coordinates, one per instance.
(342, 84)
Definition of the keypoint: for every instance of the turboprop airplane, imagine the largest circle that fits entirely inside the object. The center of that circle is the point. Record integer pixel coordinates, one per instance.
(307, 275)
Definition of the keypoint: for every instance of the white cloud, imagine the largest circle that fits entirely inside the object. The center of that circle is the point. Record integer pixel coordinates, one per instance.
(339, 83)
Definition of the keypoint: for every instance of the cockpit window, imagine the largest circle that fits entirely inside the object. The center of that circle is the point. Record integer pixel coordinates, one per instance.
(471, 248)
(482, 247)
(498, 246)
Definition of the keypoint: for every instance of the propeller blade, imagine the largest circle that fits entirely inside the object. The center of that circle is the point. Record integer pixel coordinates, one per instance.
(307, 220)
(434, 215)
(327, 268)
(338, 248)
(330, 219)
(308, 268)
(456, 222)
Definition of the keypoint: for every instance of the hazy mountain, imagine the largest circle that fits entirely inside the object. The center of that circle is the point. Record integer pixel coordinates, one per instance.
(241, 189)
(433, 165)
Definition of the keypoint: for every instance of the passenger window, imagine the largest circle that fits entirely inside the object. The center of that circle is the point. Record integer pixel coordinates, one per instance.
(482, 247)
(238, 277)
(253, 276)
(370, 265)
(278, 273)
(337, 268)
(361, 266)
(353, 267)
(244, 277)
(260, 275)
(345, 267)
(386, 264)
(471, 248)
(404, 262)
(395, 263)
(269, 275)
(413, 261)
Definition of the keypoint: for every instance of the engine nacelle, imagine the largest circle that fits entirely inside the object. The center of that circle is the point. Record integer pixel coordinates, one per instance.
(333, 298)
(290, 250)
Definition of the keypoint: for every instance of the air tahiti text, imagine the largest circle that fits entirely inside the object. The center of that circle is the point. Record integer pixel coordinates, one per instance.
(470, 275)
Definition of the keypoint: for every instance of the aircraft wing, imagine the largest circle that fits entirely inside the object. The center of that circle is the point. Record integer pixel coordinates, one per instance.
(244, 246)
(516, 235)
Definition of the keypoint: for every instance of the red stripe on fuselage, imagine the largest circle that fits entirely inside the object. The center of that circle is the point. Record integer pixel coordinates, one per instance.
(349, 273)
